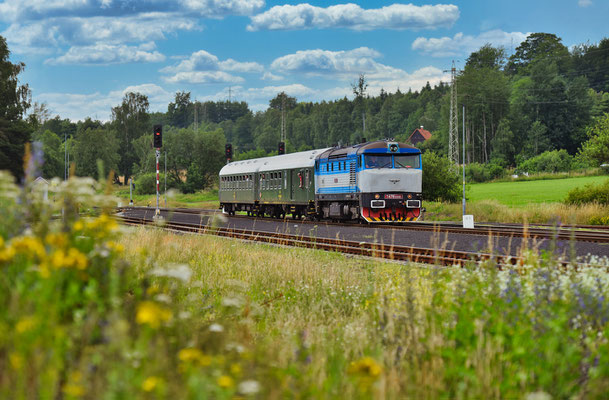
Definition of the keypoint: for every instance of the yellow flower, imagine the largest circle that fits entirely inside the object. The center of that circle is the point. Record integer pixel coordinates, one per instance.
(16, 361)
(151, 383)
(57, 239)
(225, 381)
(74, 387)
(152, 314)
(366, 366)
(235, 369)
(29, 245)
(119, 248)
(78, 226)
(73, 258)
(193, 355)
(7, 254)
(25, 324)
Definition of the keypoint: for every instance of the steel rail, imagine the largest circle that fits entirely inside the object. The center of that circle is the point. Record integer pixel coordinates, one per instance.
(440, 257)
(534, 231)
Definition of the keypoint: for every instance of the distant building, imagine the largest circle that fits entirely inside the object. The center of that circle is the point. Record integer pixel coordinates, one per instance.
(419, 135)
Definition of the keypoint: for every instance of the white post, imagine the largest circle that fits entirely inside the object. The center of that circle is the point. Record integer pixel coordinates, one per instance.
(157, 213)
(130, 192)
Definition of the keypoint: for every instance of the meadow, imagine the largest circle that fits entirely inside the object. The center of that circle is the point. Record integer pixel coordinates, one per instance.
(93, 310)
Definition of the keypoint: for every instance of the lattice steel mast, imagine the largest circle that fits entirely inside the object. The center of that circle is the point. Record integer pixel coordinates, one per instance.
(453, 133)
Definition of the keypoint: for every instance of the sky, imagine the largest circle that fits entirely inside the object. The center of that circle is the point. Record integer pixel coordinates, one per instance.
(82, 56)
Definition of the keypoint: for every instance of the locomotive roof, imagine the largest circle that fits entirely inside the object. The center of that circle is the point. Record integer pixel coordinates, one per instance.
(368, 147)
(301, 159)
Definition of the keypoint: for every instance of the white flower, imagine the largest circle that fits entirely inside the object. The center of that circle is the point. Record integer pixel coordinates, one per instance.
(249, 387)
(178, 271)
(216, 328)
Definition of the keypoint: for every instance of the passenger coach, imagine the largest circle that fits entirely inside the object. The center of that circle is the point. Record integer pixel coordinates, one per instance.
(376, 181)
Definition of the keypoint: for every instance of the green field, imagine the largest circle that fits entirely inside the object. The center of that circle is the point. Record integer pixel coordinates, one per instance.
(523, 193)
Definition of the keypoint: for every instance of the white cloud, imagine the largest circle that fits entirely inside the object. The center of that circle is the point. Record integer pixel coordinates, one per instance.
(98, 105)
(57, 33)
(584, 3)
(461, 44)
(203, 77)
(13, 10)
(325, 63)
(295, 90)
(203, 67)
(104, 54)
(47, 26)
(347, 65)
(269, 76)
(352, 16)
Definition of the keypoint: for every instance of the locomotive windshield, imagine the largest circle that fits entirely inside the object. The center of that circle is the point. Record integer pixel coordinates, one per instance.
(407, 161)
(392, 161)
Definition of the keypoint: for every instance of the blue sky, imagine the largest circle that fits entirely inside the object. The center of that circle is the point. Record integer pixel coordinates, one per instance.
(82, 55)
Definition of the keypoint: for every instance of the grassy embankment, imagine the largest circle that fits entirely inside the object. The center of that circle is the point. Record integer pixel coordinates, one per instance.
(90, 313)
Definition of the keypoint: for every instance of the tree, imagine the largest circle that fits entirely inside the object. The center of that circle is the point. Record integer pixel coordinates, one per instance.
(130, 120)
(92, 145)
(180, 111)
(52, 148)
(440, 183)
(503, 145)
(538, 46)
(14, 102)
(597, 146)
(359, 90)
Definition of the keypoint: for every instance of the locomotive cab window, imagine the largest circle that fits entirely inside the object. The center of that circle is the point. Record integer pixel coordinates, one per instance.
(407, 161)
(377, 161)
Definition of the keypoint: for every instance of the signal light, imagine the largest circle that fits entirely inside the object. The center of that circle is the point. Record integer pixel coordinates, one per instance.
(281, 148)
(158, 136)
(228, 150)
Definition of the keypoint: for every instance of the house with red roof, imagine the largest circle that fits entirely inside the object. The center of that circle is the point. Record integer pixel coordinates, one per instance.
(419, 135)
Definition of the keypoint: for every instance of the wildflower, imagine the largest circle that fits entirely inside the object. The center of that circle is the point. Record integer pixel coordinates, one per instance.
(74, 387)
(235, 369)
(73, 258)
(151, 383)
(16, 361)
(225, 381)
(25, 324)
(152, 314)
(216, 328)
(249, 387)
(193, 355)
(29, 245)
(78, 226)
(178, 271)
(56, 239)
(6, 254)
(366, 366)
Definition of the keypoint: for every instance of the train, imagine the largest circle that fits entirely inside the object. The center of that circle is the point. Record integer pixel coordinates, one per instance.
(378, 181)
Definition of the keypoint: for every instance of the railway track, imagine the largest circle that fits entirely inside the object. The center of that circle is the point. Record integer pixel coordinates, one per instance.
(440, 257)
(589, 233)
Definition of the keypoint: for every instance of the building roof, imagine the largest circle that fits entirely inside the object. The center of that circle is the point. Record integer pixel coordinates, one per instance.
(426, 134)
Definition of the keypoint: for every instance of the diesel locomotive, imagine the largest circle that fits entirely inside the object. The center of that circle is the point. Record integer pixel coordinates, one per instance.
(376, 181)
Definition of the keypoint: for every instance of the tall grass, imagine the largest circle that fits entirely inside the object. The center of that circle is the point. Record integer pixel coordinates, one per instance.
(545, 213)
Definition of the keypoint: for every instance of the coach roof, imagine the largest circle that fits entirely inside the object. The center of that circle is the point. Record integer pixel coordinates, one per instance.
(301, 159)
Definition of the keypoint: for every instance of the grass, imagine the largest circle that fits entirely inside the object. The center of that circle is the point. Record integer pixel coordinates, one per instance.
(525, 193)
(203, 199)
(89, 312)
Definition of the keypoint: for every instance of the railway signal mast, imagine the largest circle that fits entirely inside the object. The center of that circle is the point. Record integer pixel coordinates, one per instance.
(157, 144)
(453, 132)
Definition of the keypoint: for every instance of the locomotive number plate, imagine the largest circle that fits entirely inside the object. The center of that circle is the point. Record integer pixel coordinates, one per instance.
(394, 196)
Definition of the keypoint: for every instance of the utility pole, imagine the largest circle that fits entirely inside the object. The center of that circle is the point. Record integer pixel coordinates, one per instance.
(463, 159)
(229, 93)
(283, 118)
(453, 131)
(65, 156)
(196, 116)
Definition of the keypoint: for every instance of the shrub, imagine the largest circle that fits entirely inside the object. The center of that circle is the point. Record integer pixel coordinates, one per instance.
(476, 172)
(549, 161)
(589, 194)
(440, 179)
(146, 183)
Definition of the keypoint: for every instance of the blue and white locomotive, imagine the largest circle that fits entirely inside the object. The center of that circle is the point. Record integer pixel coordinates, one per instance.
(376, 181)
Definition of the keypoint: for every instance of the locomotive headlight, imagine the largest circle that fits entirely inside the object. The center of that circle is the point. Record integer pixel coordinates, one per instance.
(393, 147)
(409, 196)
(377, 196)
